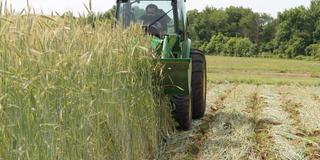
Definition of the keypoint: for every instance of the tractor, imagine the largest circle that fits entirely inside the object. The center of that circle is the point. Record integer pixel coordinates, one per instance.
(184, 72)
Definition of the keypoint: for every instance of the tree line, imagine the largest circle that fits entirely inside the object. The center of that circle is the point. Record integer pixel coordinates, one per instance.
(238, 31)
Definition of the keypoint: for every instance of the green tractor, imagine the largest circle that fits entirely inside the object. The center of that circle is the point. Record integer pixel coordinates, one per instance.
(184, 72)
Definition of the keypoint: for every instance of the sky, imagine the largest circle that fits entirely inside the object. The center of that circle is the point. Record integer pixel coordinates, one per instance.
(271, 7)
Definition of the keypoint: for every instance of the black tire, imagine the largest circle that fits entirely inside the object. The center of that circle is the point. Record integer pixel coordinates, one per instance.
(182, 111)
(199, 83)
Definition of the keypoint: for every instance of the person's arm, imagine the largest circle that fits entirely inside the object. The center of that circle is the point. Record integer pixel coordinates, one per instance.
(142, 19)
(164, 20)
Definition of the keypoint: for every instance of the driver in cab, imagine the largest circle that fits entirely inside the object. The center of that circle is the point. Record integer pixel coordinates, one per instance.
(155, 17)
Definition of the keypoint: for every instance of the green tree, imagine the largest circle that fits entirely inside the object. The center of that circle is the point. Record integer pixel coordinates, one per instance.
(216, 44)
(314, 13)
(210, 22)
(314, 51)
(250, 26)
(294, 32)
(235, 15)
(239, 47)
(288, 36)
(230, 22)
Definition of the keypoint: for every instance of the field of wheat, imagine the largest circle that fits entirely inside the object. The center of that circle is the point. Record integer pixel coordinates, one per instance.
(69, 90)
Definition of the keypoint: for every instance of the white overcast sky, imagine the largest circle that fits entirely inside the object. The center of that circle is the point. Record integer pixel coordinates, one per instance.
(76, 6)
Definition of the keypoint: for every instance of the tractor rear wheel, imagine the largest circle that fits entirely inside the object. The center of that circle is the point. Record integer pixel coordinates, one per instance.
(182, 111)
(199, 83)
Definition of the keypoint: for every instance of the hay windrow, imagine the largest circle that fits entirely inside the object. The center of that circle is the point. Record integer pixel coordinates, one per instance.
(303, 108)
(231, 128)
(262, 139)
(255, 117)
(187, 145)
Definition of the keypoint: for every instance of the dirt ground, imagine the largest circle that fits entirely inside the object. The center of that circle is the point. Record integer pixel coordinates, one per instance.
(253, 122)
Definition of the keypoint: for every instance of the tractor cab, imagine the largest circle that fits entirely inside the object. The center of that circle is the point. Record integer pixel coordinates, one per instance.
(158, 17)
